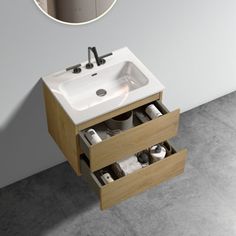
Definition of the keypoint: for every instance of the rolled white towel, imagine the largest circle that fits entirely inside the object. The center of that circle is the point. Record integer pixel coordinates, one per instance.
(158, 152)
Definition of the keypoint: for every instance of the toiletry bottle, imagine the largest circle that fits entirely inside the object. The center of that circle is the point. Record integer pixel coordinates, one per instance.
(106, 178)
(152, 111)
(92, 136)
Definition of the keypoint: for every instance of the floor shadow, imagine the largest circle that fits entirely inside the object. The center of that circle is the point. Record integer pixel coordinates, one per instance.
(35, 204)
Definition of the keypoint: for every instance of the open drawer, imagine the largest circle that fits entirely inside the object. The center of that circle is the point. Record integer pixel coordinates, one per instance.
(133, 140)
(136, 182)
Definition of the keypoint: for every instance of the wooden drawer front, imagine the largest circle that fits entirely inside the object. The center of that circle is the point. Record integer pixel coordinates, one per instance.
(131, 141)
(137, 182)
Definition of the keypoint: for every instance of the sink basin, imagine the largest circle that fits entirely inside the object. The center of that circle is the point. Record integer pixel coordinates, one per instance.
(114, 82)
(122, 80)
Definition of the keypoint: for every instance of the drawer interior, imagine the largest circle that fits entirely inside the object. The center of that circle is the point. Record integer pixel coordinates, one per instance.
(123, 144)
(105, 133)
(138, 181)
(109, 169)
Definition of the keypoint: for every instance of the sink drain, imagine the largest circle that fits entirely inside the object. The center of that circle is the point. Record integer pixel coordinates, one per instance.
(101, 92)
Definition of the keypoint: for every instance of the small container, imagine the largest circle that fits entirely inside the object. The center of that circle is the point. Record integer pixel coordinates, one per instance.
(106, 178)
(141, 116)
(157, 152)
(152, 111)
(92, 136)
(143, 158)
(168, 148)
(121, 122)
(117, 170)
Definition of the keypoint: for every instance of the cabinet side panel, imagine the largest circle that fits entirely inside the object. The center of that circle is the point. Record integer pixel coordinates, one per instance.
(62, 129)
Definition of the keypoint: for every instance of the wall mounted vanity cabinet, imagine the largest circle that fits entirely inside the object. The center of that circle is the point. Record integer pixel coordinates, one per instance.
(68, 120)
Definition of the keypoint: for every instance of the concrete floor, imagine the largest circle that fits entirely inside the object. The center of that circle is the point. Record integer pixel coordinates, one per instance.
(200, 202)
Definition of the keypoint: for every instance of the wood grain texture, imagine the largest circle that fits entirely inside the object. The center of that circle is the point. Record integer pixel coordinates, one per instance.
(138, 181)
(142, 180)
(117, 112)
(90, 177)
(131, 141)
(62, 129)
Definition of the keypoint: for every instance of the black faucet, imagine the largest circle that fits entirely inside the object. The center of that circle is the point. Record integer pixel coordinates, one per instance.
(99, 60)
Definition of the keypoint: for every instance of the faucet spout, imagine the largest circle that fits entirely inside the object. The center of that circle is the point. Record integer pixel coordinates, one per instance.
(99, 59)
(95, 53)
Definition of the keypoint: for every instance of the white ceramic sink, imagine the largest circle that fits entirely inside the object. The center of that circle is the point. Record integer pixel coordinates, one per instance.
(122, 80)
(114, 82)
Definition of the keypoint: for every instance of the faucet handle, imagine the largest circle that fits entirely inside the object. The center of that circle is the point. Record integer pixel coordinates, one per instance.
(89, 65)
(76, 68)
(106, 55)
(102, 60)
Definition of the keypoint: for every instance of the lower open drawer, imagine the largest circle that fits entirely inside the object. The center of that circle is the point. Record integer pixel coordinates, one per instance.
(137, 182)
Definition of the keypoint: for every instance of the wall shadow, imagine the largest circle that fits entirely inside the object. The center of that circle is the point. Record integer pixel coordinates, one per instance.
(34, 205)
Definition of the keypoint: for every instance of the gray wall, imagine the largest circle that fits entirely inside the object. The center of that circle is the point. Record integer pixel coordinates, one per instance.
(190, 45)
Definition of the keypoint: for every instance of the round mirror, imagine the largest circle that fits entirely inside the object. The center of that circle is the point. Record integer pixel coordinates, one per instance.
(75, 11)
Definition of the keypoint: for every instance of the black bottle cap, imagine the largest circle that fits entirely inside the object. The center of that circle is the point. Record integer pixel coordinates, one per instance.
(143, 157)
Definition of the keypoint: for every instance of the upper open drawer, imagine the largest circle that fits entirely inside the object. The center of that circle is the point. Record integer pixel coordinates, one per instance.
(133, 140)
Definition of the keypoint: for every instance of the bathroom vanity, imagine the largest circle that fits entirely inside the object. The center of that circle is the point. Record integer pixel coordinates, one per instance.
(73, 106)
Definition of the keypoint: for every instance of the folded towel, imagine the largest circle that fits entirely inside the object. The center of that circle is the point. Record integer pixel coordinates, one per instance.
(129, 165)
